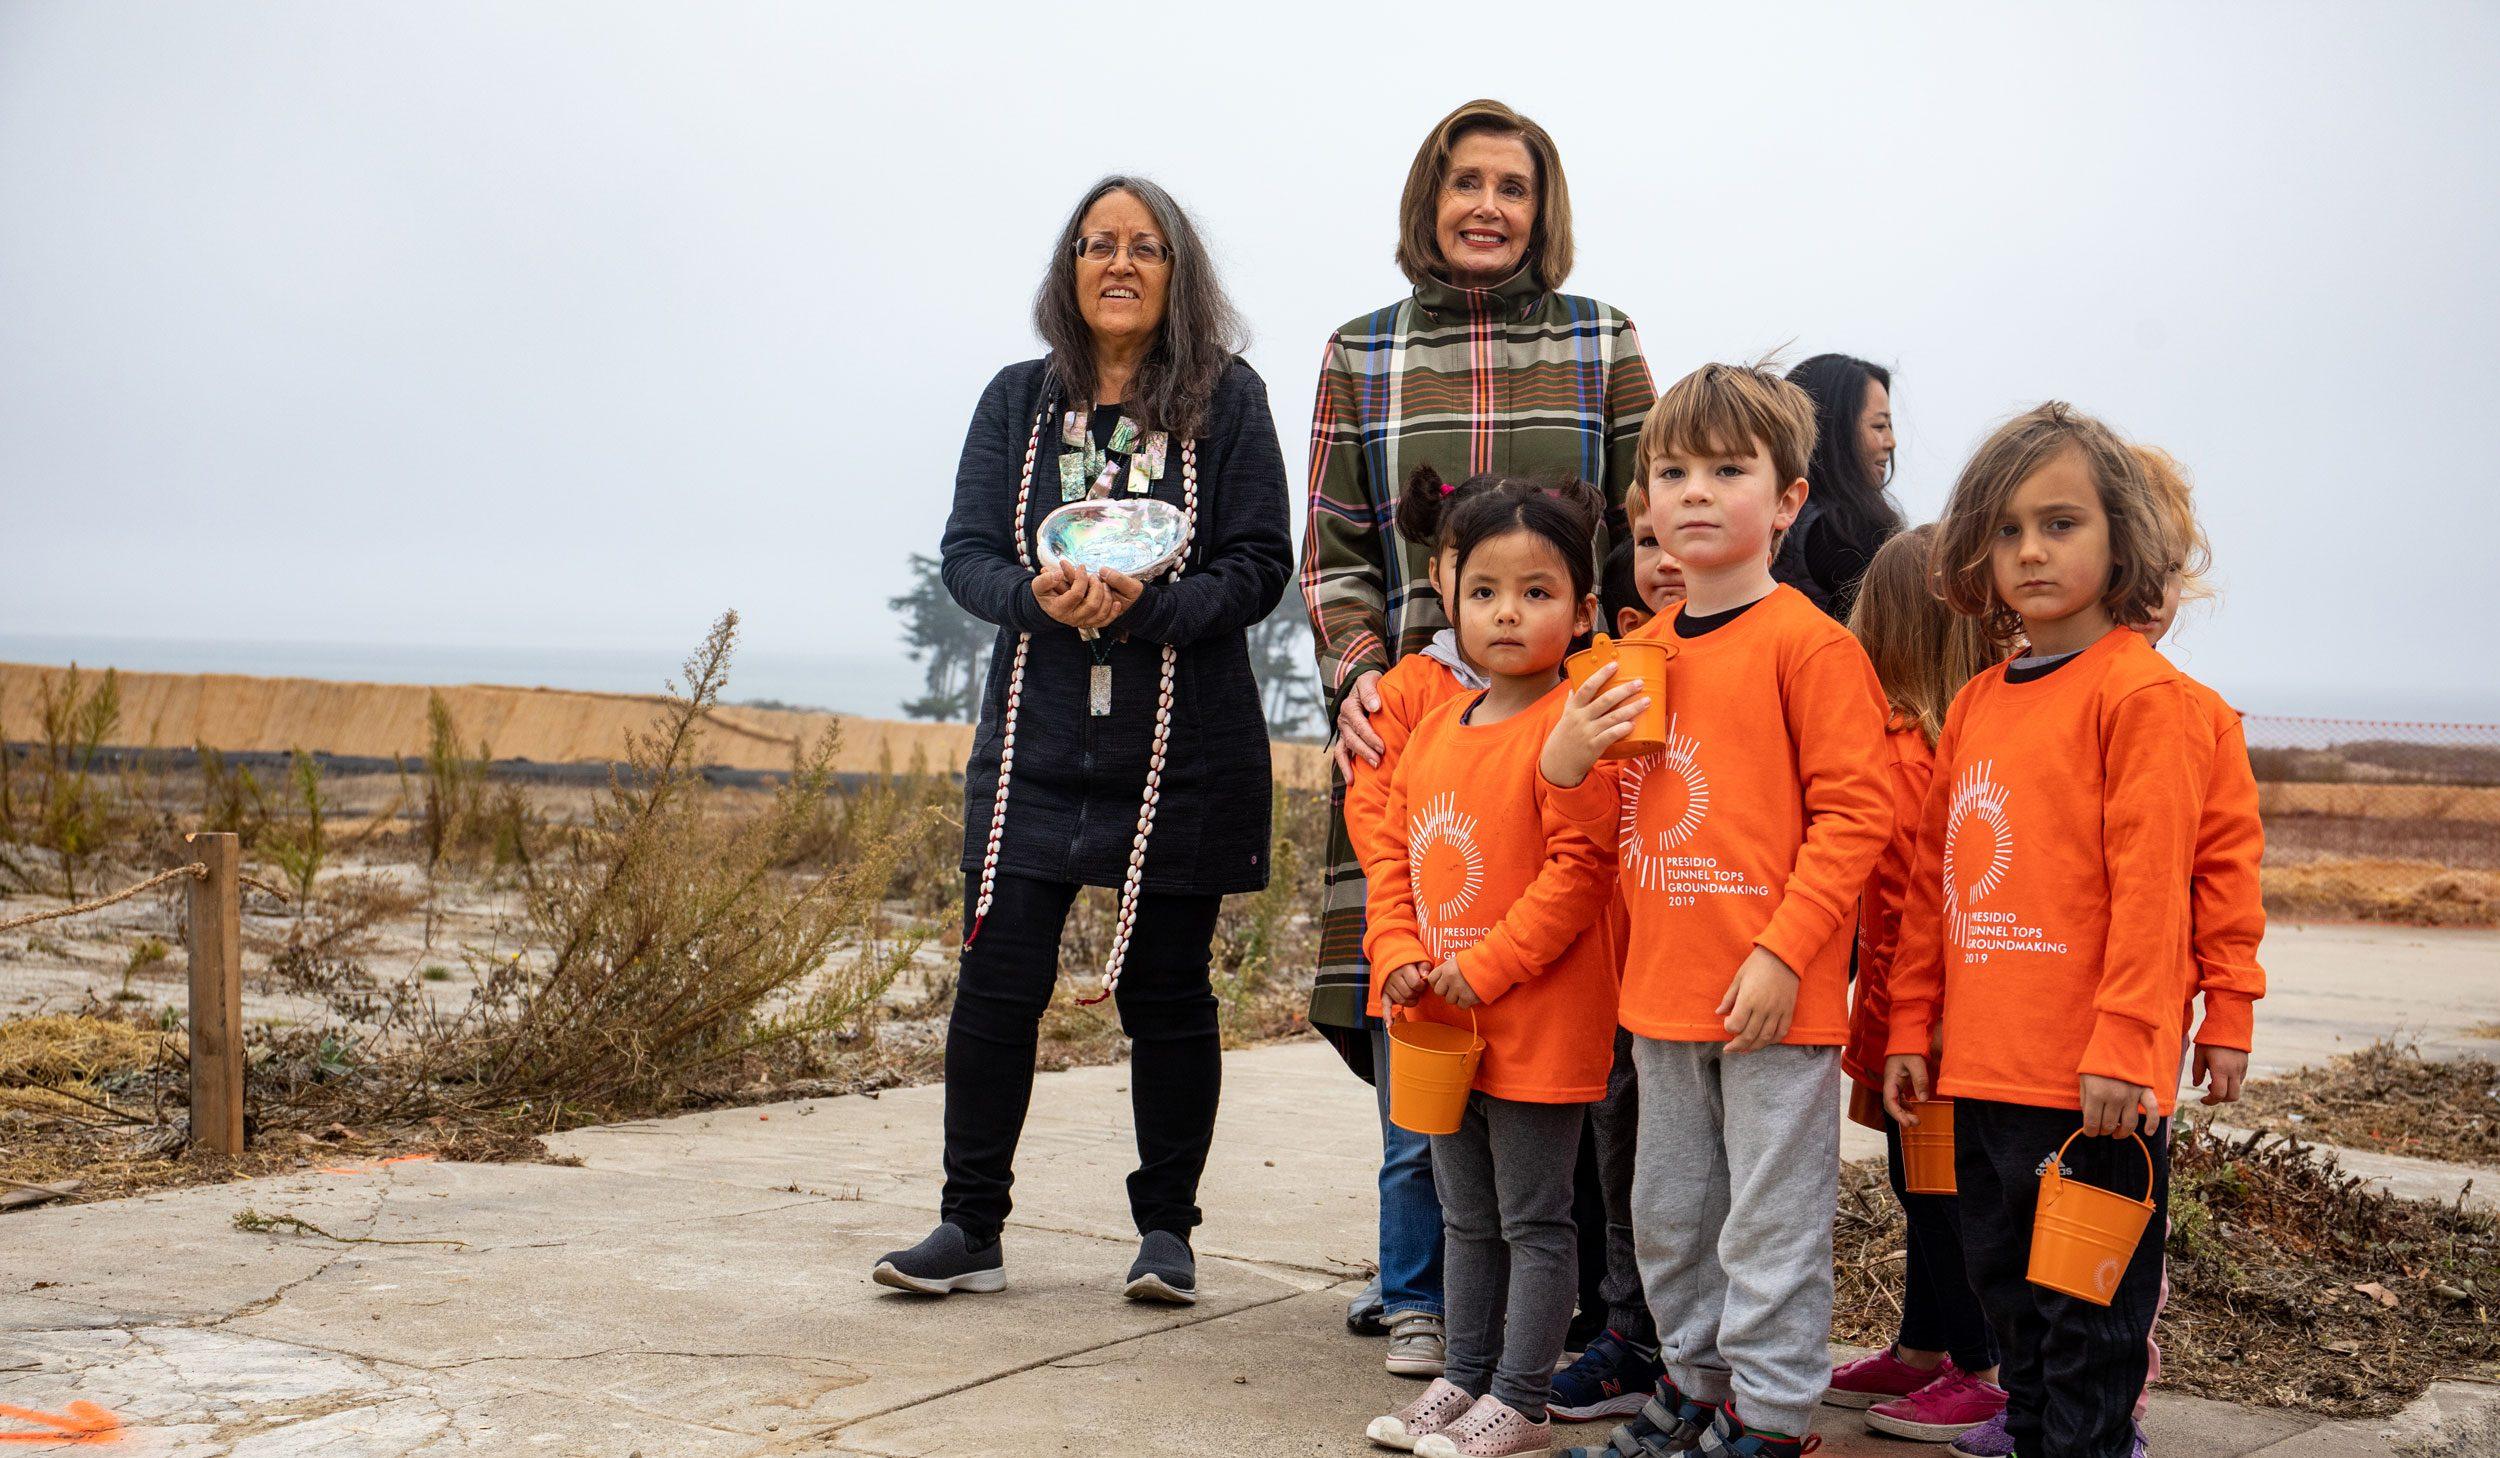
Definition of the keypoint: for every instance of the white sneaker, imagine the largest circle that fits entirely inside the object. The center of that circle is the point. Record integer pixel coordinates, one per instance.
(1416, 1345)
(1441, 1405)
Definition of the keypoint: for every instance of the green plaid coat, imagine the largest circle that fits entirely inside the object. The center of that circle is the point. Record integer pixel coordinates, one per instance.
(1515, 379)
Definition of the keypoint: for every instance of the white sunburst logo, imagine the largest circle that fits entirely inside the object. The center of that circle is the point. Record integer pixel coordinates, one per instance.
(1974, 866)
(1443, 827)
(1677, 765)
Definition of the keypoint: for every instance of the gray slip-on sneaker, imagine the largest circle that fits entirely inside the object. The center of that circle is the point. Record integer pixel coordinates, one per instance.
(1164, 1271)
(945, 1262)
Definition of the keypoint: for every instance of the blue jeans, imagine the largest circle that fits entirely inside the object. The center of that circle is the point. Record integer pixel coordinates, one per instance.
(1410, 1208)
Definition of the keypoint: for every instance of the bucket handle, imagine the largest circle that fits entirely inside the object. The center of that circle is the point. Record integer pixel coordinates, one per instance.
(1413, 1016)
(2141, 1147)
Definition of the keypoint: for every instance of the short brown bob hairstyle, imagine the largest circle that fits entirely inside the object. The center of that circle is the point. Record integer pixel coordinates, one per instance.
(1735, 408)
(1549, 241)
(2142, 553)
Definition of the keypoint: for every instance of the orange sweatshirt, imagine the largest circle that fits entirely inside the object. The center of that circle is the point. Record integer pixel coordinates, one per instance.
(2227, 907)
(1496, 878)
(1912, 763)
(1755, 827)
(1413, 688)
(2049, 909)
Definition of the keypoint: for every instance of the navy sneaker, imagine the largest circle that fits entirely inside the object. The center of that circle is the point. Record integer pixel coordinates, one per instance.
(947, 1261)
(1164, 1271)
(1669, 1425)
(1611, 1379)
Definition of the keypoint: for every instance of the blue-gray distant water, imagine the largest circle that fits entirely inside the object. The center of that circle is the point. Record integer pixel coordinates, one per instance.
(861, 684)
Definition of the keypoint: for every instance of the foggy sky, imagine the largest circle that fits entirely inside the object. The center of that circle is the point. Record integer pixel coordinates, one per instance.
(570, 325)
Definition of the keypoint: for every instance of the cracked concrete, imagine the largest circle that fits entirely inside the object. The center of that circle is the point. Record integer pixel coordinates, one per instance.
(699, 1287)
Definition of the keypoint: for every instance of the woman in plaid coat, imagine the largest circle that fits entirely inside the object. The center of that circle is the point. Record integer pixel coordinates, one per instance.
(1485, 366)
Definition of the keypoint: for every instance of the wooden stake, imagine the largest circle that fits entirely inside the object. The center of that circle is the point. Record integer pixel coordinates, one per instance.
(217, 993)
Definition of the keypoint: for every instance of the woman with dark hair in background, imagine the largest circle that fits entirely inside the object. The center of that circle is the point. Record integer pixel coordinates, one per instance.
(1848, 512)
(1108, 699)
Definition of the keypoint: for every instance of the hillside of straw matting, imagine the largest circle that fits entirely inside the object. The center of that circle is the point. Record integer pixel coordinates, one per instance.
(237, 713)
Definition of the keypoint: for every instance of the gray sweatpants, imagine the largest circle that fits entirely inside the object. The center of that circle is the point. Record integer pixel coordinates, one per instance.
(1509, 1269)
(1732, 1217)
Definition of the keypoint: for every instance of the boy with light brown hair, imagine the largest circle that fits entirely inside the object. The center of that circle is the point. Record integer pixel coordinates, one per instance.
(1745, 843)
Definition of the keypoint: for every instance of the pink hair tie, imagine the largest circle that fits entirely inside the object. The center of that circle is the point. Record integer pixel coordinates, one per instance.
(1448, 487)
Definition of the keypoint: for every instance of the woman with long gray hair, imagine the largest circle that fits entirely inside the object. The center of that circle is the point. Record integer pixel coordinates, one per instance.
(1121, 741)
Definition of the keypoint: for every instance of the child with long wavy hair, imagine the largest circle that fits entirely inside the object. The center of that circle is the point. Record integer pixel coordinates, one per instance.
(2048, 915)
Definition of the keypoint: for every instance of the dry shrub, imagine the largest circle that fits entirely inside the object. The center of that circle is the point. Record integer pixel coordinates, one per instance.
(2388, 1097)
(668, 945)
(59, 809)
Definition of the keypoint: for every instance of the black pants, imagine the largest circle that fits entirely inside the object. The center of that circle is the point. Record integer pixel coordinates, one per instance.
(1939, 1310)
(1614, 1137)
(1166, 1008)
(2072, 1369)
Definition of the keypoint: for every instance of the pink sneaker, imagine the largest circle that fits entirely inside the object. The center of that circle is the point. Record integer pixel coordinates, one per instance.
(1491, 1429)
(1880, 1377)
(1948, 1407)
(1442, 1404)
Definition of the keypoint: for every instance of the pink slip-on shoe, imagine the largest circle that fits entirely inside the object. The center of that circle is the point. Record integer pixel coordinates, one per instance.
(1442, 1404)
(1491, 1429)
(1880, 1377)
(1945, 1408)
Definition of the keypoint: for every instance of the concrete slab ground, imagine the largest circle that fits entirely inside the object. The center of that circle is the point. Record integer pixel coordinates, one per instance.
(698, 1286)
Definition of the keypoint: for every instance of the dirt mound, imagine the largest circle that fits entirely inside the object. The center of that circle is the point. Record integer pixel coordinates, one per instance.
(237, 713)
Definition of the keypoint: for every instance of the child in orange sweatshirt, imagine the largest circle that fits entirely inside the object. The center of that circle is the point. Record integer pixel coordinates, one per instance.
(1938, 1378)
(1410, 1212)
(1495, 918)
(1744, 846)
(2049, 910)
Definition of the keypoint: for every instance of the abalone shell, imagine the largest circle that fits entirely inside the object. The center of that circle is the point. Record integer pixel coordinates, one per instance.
(1140, 538)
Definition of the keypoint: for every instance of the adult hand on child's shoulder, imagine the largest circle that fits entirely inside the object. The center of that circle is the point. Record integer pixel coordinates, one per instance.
(1452, 985)
(1761, 1002)
(1596, 715)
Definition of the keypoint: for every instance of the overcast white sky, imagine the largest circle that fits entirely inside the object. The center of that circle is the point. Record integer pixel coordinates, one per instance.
(563, 326)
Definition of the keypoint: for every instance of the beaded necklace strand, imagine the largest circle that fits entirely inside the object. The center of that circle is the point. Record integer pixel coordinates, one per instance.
(1131, 886)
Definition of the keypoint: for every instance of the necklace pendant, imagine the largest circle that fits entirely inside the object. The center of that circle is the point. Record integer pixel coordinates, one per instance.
(1101, 695)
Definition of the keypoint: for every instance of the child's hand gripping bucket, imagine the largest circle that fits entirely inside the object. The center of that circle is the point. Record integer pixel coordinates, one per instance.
(1431, 1068)
(1927, 1149)
(1641, 658)
(2083, 1237)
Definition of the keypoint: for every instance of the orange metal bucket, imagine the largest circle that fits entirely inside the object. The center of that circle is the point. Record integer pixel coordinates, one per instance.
(1866, 1107)
(1927, 1149)
(1642, 658)
(1431, 1068)
(2083, 1237)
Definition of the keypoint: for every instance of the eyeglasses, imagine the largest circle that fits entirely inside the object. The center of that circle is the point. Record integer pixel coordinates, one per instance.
(1145, 252)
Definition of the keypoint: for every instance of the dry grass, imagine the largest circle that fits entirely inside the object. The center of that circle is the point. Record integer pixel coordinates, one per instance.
(2268, 1246)
(2387, 1097)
